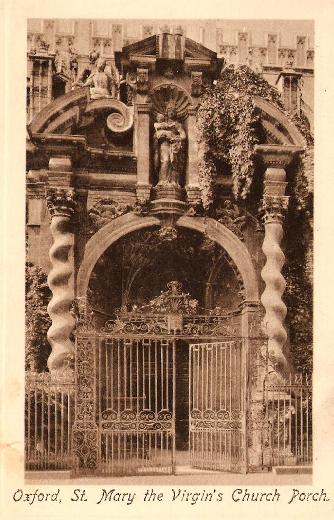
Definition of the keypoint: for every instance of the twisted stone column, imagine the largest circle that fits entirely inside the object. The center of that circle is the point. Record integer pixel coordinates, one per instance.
(275, 204)
(61, 205)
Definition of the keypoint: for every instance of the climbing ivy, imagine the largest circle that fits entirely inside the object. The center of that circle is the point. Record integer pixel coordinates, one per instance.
(228, 126)
(37, 319)
(228, 123)
(298, 270)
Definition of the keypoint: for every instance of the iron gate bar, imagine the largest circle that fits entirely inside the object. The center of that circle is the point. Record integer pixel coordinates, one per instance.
(137, 431)
(217, 405)
(49, 410)
(288, 413)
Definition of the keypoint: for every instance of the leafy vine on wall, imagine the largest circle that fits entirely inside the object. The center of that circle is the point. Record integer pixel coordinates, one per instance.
(227, 122)
(37, 319)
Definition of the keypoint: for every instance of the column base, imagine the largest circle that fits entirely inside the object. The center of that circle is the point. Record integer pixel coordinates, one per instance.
(257, 437)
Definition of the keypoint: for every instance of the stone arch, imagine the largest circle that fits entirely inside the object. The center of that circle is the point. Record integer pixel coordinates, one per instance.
(214, 275)
(277, 123)
(130, 222)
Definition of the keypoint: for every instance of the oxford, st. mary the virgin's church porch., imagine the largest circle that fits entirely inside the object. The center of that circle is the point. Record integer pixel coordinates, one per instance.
(168, 344)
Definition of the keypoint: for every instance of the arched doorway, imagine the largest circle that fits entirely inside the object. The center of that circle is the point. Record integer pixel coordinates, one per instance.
(168, 363)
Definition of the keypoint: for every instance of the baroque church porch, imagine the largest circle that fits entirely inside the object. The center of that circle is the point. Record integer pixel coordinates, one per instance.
(166, 318)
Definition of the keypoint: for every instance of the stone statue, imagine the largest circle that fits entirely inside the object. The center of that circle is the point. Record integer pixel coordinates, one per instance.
(169, 148)
(88, 70)
(101, 83)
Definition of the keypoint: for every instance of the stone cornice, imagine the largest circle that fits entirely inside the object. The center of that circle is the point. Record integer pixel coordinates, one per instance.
(277, 156)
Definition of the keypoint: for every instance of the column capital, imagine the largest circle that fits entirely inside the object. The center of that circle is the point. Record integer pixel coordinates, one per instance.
(274, 203)
(277, 156)
(61, 202)
(274, 208)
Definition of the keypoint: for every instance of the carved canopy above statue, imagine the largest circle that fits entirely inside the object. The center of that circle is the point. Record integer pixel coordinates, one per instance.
(168, 94)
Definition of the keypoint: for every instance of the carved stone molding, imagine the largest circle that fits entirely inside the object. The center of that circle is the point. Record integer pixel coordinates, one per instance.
(143, 192)
(168, 232)
(166, 95)
(276, 156)
(35, 190)
(196, 84)
(104, 211)
(142, 80)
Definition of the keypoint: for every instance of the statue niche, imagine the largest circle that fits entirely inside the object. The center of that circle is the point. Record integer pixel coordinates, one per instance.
(169, 148)
(170, 103)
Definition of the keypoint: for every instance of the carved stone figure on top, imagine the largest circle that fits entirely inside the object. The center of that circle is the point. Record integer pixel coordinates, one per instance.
(101, 83)
(89, 69)
(169, 148)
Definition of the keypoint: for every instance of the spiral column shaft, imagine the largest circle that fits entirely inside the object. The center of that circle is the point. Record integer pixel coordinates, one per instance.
(274, 206)
(61, 206)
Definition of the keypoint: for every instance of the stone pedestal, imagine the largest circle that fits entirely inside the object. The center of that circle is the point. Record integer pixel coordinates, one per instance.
(168, 191)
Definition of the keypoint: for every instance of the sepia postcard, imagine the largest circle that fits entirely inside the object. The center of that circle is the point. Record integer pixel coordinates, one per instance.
(167, 261)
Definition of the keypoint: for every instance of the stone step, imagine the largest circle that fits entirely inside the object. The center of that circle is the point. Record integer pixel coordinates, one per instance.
(286, 470)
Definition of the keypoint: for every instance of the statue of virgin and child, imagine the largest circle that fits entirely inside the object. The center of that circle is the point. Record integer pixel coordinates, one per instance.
(169, 141)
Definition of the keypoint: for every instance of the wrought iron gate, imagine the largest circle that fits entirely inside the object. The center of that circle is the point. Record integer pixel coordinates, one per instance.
(135, 389)
(217, 434)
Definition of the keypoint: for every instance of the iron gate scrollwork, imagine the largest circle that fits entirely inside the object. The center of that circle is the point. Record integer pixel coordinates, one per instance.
(135, 385)
(85, 431)
(217, 436)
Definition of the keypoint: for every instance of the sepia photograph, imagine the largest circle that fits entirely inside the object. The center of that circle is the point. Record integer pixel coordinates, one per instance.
(169, 247)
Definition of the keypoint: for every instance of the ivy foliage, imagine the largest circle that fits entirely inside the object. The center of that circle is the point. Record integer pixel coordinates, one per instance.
(37, 319)
(228, 127)
(298, 271)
